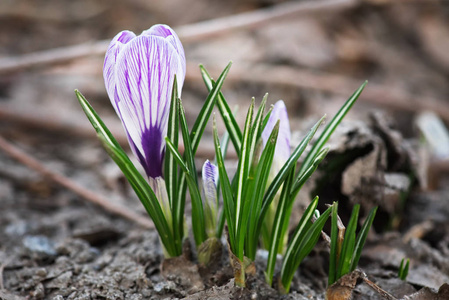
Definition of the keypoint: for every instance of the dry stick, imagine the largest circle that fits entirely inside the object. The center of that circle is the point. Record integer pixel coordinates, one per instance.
(377, 288)
(32, 163)
(77, 129)
(187, 33)
(42, 120)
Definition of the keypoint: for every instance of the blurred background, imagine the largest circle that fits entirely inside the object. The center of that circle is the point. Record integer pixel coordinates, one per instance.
(313, 54)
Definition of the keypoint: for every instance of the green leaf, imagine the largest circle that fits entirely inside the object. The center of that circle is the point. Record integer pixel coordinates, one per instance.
(198, 222)
(138, 183)
(276, 232)
(195, 136)
(197, 206)
(250, 186)
(333, 256)
(306, 175)
(347, 249)
(330, 128)
(300, 230)
(221, 218)
(170, 166)
(260, 182)
(242, 176)
(302, 243)
(267, 116)
(231, 124)
(403, 269)
(226, 190)
(206, 110)
(281, 176)
(295, 190)
(361, 238)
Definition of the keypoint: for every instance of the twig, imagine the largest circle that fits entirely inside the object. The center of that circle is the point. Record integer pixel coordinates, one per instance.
(187, 33)
(90, 196)
(377, 288)
(42, 120)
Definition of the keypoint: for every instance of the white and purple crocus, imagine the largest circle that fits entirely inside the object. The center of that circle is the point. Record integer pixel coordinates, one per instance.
(281, 155)
(210, 180)
(139, 72)
(282, 150)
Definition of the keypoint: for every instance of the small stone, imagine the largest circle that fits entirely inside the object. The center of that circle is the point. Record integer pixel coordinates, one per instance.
(40, 245)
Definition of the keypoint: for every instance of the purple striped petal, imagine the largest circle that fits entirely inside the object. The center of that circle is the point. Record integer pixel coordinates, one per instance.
(117, 43)
(282, 151)
(210, 179)
(139, 73)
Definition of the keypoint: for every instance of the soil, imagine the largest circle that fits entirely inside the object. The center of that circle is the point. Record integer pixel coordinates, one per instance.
(56, 245)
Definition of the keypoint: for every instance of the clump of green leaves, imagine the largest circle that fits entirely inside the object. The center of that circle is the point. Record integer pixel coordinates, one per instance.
(403, 268)
(346, 245)
(247, 196)
(168, 219)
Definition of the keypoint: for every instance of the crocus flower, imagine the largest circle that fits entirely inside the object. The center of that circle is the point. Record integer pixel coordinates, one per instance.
(281, 155)
(139, 72)
(282, 150)
(210, 178)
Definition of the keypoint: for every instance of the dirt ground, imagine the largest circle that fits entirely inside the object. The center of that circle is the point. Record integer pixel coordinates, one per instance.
(56, 243)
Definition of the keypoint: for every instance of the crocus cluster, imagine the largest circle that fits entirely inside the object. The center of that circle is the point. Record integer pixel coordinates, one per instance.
(144, 76)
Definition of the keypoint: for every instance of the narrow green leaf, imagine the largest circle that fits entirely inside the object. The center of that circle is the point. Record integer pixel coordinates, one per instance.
(260, 182)
(242, 175)
(330, 128)
(138, 183)
(306, 175)
(348, 244)
(300, 230)
(361, 238)
(177, 156)
(403, 269)
(250, 187)
(188, 151)
(195, 136)
(307, 242)
(206, 110)
(267, 116)
(333, 256)
(276, 232)
(280, 177)
(221, 218)
(198, 222)
(228, 200)
(170, 166)
(198, 226)
(231, 124)
(295, 190)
